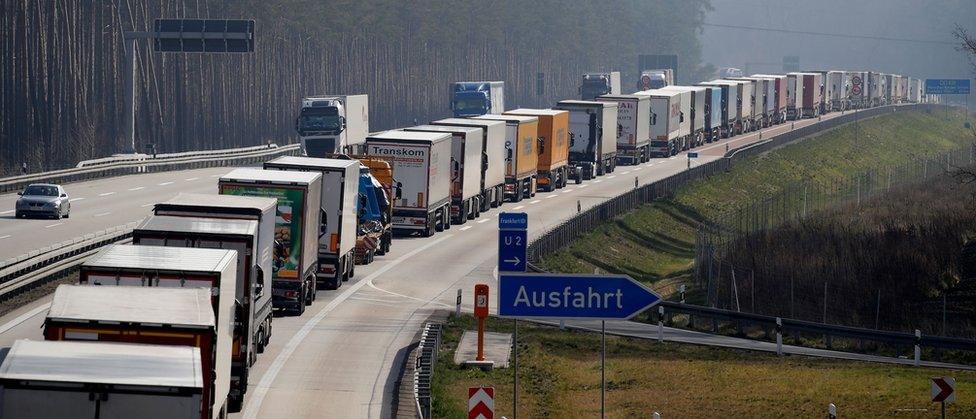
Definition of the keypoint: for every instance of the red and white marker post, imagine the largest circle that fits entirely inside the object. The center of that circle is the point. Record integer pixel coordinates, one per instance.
(481, 402)
(481, 312)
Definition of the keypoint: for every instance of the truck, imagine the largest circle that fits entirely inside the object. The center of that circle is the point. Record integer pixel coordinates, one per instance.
(855, 89)
(835, 97)
(592, 137)
(810, 98)
(553, 167)
(473, 98)
(330, 125)
(377, 183)
(874, 89)
(213, 270)
(665, 127)
(467, 158)
(338, 217)
(493, 167)
(753, 91)
(655, 79)
(422, 163)
(43, 380)
(139, 315)
(794, 96)
(695, 113)
(521, 154)
(685, 132)
(228, 207)
(779, 96)
(730, 120)
(295, 260)
(599, 84)
(713, 113)
(633, 127)
(252, 303)
(765, 103)
(740, 111)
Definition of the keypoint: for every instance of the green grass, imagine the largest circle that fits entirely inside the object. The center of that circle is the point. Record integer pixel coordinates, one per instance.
(655, 243)
(559, 376)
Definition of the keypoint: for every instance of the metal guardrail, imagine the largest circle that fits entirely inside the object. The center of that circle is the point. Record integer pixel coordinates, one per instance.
(140, 163)
(27, 269)
(423, 375)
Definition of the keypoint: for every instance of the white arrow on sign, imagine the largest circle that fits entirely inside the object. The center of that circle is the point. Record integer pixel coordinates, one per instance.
(516, 260)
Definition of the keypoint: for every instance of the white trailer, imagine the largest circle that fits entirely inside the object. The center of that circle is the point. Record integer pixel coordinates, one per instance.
(665, 121)
(422, 166)
(493, 166)
(330, 125)
(49, 379)
(695, 97)
(730, 120)
(339, 217)
(592, 135)
(466, 161)
(633, 127)
(794, 96)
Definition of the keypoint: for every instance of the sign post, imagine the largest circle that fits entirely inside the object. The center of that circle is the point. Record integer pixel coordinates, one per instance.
(943, 391)
(581, 297)
(512, 256)
(694, 155)
(481, 312)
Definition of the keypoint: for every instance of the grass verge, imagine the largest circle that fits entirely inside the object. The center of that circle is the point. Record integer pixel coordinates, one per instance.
(655, 243)
(559, 376)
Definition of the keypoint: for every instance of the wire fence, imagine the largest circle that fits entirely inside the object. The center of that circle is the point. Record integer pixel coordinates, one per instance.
(820, 280)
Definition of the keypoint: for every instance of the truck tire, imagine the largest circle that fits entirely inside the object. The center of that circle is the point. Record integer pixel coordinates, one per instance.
(352, 271)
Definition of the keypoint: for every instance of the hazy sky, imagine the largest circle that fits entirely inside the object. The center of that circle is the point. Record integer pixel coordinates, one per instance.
(913, 19)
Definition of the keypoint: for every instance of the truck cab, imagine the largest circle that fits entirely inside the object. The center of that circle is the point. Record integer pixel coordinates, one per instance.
(599, 84)
(329, 125)
(477, 98)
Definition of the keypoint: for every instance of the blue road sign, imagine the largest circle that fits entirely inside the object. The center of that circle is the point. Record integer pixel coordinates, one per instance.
(513, 221)
(565, 296)
(512, 246)
(946, 86)
(692, 154)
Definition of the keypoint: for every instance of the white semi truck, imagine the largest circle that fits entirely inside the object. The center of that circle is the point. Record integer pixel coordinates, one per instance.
(422, 164)
(665, 129)
(330, 125)
(633, 127)
(338, 217)
(599, 84)
(592, 136)
(493, 167)
(467, 158)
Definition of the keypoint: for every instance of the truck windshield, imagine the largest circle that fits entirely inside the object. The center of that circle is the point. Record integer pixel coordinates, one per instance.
(319, 119)
(470, 106)
(592, 89)
(657, 83)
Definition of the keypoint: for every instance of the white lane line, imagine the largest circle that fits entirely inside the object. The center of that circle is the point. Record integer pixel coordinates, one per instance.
(4, 236)
(519, 207)
(551, 196)
(253, 407)
(465, 228)
(137, 188)
(611, 176)
(191, 179)
(103, 214)
(6, 212)
(568, 191)
(484, 220)
(106, 194)
(598, 181)
(53, 225)
(583, 186)
(23, 317)
(639, 168)
(535, 202)
(75, 199)
(165, 183)
(148, 205)
(625, 172)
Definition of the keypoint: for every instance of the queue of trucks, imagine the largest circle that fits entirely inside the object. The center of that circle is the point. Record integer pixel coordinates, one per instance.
(173, 323)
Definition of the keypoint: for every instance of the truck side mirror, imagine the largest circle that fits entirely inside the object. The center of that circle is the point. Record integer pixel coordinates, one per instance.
(259, 284)
(398, 193)
(484, 161)
(343, 119)
(542, 144)
(508, 154)
(297, 125)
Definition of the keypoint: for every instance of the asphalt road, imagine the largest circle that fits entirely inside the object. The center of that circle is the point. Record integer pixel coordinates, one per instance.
(342, 357)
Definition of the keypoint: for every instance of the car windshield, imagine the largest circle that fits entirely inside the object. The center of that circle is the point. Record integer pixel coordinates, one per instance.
(41, 190)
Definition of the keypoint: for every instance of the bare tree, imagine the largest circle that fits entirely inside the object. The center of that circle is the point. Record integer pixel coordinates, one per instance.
(967, 45)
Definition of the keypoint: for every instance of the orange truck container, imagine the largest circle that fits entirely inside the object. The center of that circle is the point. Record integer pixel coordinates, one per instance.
(553, 167)
(522, 156)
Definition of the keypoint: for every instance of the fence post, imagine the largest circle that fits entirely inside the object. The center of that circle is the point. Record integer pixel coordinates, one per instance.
(779, 336)
(918, 347)
(660, 324)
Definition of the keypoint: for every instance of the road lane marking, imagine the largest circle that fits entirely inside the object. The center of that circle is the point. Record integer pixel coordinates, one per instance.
(6, 212)
(535, 202)
(465, 228)
(103, 214)
(4, 236)
(75, 199)
(484, 220)
(106, 194)
(598, 181)
(137, 188)
(583, 186)
(165, 183)
(519, 207)
(23, 317)
(53, 225)
(639, 168)
(625, 172)
(148, 205)
(253, 406)
(191, 179)
(611, 176)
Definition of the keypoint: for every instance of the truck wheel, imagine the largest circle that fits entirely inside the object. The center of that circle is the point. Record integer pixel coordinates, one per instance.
(352, 271)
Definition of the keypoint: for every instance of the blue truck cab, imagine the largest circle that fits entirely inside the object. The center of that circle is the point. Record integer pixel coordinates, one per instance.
(475, 98)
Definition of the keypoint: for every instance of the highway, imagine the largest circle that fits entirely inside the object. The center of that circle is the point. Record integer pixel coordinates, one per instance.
(342, 357)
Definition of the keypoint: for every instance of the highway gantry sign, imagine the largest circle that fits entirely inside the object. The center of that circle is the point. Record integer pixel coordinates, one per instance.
(947, 86)
(566, 296)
